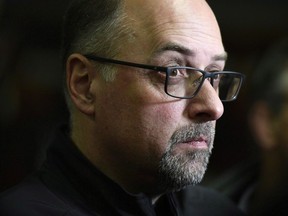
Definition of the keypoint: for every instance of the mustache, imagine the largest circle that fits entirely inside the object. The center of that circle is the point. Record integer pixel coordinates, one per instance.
(194, 131)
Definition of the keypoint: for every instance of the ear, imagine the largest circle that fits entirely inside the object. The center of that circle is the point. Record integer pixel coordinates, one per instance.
(79, 77)
(261, 125)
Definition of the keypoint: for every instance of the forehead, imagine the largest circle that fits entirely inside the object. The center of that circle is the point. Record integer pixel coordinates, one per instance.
(187, 22)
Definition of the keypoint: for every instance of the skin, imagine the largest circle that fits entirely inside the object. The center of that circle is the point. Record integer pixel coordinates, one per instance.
(124, 127)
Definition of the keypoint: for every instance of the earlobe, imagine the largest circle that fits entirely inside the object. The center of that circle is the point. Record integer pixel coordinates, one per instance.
(78, 79)
(261, 125)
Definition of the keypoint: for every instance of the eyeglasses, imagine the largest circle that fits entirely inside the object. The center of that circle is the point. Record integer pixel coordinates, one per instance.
(186, 82)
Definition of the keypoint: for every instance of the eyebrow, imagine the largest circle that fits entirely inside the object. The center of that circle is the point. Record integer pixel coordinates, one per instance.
(186, 51)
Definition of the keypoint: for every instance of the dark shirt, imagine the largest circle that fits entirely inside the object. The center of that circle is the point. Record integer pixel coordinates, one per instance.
(68, 184)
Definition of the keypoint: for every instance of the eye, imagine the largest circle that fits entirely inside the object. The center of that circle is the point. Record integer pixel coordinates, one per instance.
(179, 72)
(216, 80)
(175, 72)
(216, 77)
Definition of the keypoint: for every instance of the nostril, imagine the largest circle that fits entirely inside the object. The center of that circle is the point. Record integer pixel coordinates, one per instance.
(209, 115)
(203, 117)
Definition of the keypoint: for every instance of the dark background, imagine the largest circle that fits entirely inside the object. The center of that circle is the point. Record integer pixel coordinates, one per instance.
(32, 103)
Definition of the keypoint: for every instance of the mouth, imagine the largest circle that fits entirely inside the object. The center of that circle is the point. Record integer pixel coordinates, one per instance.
(196, 142)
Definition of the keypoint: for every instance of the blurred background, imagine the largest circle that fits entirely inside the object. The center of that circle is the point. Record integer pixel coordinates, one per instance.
(32, 104)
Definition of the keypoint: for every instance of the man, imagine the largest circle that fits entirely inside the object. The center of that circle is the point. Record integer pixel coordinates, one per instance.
(142, 116)
(269, 124)
(259, 186)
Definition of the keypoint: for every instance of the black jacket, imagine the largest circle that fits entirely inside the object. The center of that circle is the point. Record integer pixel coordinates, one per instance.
(68, 184)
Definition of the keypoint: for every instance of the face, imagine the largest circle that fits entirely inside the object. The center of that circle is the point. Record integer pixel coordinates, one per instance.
(147, 137)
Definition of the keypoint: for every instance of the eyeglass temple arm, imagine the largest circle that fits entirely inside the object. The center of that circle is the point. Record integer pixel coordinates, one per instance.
(131, 64)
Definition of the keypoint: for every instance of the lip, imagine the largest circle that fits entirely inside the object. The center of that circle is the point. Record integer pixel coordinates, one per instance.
(196, 142)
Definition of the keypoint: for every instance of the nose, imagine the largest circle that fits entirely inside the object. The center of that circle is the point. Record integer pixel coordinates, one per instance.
(206, 105)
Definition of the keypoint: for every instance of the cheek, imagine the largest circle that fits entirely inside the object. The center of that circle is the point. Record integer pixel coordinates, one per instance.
(134, 121)
(161, 120)
(153, 130)
(139, 106)
(139, 124)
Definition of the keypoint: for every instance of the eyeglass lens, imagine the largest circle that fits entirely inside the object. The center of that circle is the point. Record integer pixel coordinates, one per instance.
(186, 83)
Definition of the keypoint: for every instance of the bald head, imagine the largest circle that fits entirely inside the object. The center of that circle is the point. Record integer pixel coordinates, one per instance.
(134, 106)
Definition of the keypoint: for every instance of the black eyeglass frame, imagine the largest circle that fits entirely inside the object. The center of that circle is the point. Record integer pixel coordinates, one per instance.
(168, 71)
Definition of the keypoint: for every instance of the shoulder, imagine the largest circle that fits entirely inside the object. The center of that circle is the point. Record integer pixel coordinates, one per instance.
(31, 197)
(206, 202)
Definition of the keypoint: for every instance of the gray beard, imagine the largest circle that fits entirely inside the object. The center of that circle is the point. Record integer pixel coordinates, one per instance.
(179, 170)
